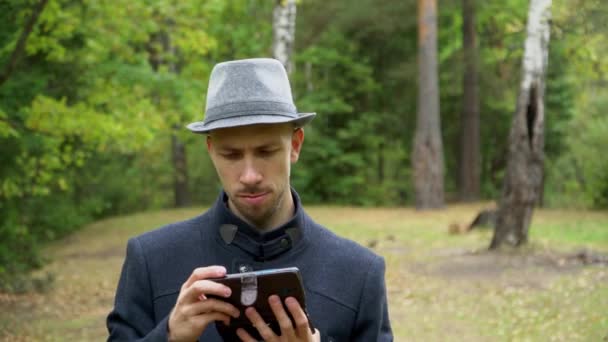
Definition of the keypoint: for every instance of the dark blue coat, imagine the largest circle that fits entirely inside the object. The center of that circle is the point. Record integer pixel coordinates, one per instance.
(344, 282)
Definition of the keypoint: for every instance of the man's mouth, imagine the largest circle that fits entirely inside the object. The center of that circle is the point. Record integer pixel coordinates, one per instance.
(253, 198)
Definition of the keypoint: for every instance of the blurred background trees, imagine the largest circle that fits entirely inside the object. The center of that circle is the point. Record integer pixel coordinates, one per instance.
(93, 110)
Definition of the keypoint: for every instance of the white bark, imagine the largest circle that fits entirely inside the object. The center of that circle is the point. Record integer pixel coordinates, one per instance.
(536, 50)
(284, 30)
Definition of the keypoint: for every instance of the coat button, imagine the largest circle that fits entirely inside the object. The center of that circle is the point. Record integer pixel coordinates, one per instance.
(284, 242)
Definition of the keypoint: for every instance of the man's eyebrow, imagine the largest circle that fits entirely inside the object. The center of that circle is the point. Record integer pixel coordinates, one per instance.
(227, 148)
(271, 144)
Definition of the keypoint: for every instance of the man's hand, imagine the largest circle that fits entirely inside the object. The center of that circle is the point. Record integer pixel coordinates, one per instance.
(194, 311)
(301, 331)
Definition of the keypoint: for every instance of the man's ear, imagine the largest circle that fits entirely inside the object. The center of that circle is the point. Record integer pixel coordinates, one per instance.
(297, 139)
(209, 144)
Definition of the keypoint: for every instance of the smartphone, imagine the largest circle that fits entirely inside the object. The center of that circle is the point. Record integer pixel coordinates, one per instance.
(254, 288)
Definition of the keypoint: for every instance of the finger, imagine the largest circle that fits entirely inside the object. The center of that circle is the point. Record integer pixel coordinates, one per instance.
(202, 321)
(244, 336)
(211, 305)
(258, 322)
(299, 317)
(317, 336)
(206, 288)
(205, 273)
(285, 323)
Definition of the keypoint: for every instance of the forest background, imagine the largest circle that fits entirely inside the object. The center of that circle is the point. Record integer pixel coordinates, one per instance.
(92, 112)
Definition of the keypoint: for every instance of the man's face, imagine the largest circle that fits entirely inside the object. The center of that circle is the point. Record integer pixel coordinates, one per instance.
(253, 163)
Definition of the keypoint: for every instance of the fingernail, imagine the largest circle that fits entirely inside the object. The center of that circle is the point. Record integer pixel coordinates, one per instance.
(227, 292)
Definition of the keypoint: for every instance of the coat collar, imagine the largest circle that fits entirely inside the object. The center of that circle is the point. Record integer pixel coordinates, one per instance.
(261, 246)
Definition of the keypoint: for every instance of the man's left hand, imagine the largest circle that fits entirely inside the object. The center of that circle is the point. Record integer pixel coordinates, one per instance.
(301, 331)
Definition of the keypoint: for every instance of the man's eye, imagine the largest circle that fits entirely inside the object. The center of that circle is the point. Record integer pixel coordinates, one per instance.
(267, 153)
(230, 156)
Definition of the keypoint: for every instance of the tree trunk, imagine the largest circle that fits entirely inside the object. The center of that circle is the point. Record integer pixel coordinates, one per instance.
(523, 177)
(308, 76)
(157, 54)
(178, 149)
(284, 30)
(381, 163)
(427, 155)
(470, 160)
(180, 173)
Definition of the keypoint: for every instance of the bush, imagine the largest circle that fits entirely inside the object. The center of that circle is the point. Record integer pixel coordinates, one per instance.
(579, 177)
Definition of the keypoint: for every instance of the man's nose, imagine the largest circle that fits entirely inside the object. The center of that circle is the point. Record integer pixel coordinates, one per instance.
(250, 175)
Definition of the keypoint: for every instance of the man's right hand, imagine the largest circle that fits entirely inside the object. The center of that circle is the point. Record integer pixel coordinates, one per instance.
(194, 310)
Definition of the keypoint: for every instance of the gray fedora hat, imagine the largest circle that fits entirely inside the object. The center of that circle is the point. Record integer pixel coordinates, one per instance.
(248, 92)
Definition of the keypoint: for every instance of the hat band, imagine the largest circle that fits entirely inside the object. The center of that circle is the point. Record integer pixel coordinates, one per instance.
(251, 107)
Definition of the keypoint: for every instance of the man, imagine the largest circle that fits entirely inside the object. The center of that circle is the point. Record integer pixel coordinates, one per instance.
(254, 134)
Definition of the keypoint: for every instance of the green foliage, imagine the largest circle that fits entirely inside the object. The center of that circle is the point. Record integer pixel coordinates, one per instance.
(339, 149)
(84, 105)
(87, 115)
(577, 175)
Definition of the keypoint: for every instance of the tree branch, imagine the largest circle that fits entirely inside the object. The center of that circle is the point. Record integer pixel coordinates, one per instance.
(29, 26)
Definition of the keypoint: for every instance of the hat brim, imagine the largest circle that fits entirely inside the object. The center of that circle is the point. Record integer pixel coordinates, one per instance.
(246, 120)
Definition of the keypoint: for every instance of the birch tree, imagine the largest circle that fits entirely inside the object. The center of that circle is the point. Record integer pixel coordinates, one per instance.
(524, 172)
(427, 157)
(284, 30)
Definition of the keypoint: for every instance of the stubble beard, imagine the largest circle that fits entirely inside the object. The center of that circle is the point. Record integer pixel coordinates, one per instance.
(263, 220)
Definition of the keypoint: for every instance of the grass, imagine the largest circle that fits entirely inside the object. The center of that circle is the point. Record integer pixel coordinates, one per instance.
(583, 229)
(441, 287)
